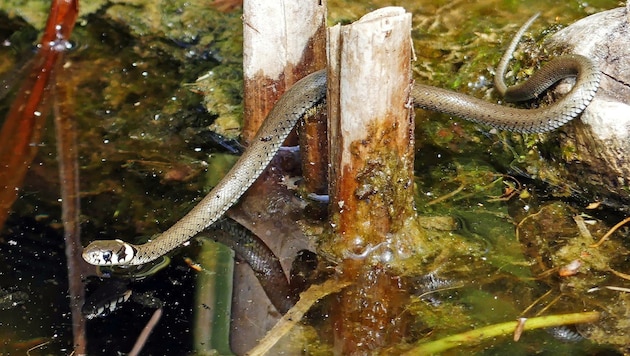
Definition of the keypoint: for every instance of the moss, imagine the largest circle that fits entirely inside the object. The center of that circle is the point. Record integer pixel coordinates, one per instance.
(223, 96)
(134, 64)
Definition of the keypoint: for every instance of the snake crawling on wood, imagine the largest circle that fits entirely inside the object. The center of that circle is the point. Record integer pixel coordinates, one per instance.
(310, 93)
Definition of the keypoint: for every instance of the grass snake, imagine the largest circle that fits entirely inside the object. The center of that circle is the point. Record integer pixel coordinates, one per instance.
(310, 93)
(282, 292)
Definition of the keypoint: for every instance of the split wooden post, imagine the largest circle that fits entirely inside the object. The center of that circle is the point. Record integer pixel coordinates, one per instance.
(283, 41)
(372, 150)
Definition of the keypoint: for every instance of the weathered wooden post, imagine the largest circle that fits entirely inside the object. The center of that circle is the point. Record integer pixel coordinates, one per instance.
(283, 41)
(372, 150)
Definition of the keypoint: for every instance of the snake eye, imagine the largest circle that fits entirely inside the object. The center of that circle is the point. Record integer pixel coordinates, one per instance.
(107, 256)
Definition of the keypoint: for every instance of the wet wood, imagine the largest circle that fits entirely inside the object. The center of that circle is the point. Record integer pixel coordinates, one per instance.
(372, 149)
(313, 138)
(283, 42)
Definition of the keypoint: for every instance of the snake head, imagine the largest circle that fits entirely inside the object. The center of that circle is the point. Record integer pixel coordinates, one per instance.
(109, 253)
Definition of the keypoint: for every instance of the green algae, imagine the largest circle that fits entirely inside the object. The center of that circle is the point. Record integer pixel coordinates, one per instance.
(139, 118)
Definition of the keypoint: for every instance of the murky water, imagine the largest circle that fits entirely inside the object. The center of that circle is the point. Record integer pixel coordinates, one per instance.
(144, 144)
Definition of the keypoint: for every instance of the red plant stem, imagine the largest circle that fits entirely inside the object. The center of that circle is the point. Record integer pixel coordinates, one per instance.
(22, 127)
(68, 158)
(19, 139)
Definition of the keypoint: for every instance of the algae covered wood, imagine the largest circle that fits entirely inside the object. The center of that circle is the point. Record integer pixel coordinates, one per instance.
(371, 149)
(370, 116)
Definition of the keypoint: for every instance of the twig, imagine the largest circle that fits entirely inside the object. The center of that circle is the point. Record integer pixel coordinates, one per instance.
(307, 299)
(617, 289)
(144, 335)
(610, 232)
(619, 274)
(538, 300)
(581, 225)
(446, 196)
(492, 331)
(68, 158)
(38, 346)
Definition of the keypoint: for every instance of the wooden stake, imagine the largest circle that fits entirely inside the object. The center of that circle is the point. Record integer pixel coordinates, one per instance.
(372, 150)
(284, 40)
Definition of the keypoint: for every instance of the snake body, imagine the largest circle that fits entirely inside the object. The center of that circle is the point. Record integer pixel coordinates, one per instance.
(306, 94)
(310, 93)
(265, 265)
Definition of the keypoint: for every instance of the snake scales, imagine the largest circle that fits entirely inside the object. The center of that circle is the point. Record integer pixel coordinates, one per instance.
(310, 92)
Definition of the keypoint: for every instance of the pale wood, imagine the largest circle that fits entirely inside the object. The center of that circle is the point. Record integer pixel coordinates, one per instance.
(284, 40)
(281, 41)
(594, 150)
(371, 152)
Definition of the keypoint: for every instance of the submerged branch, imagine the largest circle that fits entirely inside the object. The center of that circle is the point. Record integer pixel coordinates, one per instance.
(68, 158)
(476, 336)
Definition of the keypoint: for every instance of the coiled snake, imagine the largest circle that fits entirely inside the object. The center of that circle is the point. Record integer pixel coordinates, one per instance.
(311, 92)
